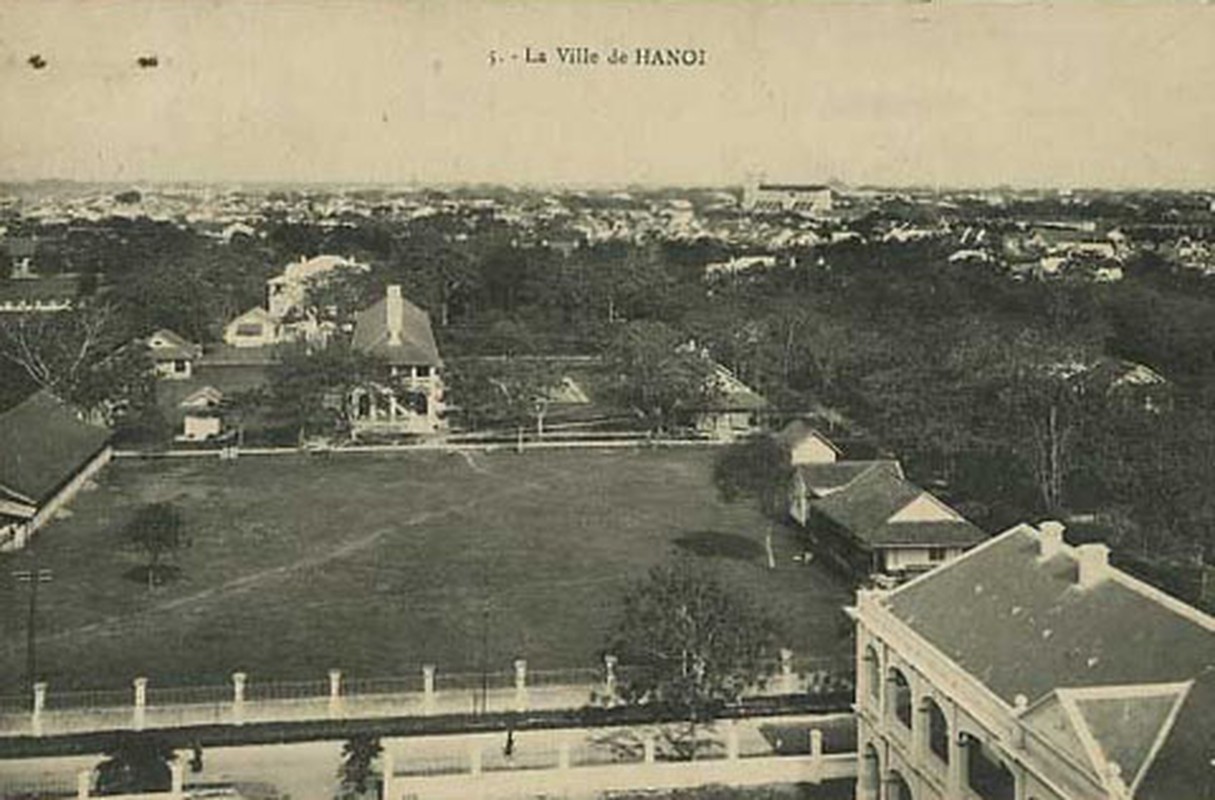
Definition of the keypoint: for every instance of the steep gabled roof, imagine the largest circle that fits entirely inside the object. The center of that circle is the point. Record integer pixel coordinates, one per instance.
(1109, 730)
(173, 346)
(882, 509)
(417, 341)
(42, 445)
(798, 430)
(823, 479)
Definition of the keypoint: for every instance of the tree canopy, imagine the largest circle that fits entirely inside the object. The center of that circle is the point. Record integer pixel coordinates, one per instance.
(690, 643)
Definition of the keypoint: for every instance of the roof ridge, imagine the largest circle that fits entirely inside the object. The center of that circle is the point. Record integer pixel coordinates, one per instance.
(1162, 735)
(1097, 758)
(1020, 527)
(1179, 607)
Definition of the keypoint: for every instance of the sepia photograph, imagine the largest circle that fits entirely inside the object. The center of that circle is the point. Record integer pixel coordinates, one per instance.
(607, 400)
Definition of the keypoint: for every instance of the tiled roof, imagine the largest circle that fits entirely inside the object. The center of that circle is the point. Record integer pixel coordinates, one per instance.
(42, 445)
(1120, 671)
(1022, 625)
(1186, 757)
(936, 533)
(823, 479)
(866, 506)
(417, 345)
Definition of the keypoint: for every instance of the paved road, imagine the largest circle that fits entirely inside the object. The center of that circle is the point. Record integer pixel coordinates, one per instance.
(307, 771)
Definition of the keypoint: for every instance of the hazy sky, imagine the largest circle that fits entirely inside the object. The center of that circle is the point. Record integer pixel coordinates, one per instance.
(364, 90)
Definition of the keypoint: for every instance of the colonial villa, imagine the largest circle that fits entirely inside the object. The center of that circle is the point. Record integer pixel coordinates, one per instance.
(408, 399)
(1030, 669)
(46, 454)
(880, 524)
(287, 315)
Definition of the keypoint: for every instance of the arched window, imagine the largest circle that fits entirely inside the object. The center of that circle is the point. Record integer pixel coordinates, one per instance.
(898, 789)
(363, 405)
(987, 775)
(900, 696)
(871, 769)
(938, 729)
(873, 673)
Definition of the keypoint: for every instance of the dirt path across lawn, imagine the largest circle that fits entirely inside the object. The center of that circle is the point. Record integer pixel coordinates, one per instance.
(218, 594)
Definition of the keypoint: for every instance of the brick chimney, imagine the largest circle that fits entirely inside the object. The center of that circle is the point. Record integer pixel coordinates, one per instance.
(394, 306)
(1093, 563)
(1050, 538)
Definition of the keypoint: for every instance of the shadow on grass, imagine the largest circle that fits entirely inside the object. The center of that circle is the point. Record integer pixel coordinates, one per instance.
(163, 573)
(715, 544)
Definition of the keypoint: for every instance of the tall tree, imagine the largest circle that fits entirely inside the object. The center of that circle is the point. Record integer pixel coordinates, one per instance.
(690, 644)
(157, 531)
(508, 390)
(308, 387)
(655, 375)
(755, 469)
(78, 356)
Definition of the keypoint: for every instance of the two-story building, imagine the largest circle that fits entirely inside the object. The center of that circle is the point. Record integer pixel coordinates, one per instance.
(1029, 669)
(288, 314)
(408, 397)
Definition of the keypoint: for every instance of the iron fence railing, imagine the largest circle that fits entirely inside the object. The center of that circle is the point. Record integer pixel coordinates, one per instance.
(358, 687)
(286, 690)
(815, 676)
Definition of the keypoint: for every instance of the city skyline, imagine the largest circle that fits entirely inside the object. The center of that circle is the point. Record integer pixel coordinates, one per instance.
(947, 94)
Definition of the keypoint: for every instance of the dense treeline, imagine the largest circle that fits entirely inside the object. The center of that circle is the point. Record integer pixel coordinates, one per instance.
(1009, 395)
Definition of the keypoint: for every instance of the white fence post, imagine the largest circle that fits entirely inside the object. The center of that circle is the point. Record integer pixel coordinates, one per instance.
(731, 741)
(177, 769)
(563, 755)
(238, 697)
(788, 681)
(388, 769)
(335, 692)
(474, 757)
(84, 783)
(816, 754)
(520, 684)
(428, 687)
(141, 702)
(650, 749)
(39, 707)
(609, 678)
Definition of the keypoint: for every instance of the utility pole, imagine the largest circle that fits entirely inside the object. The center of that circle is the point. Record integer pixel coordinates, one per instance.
(485, 657)
(33, 577)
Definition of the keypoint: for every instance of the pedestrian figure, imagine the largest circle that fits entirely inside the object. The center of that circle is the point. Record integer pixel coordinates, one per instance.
(196, 763)
(509, 749)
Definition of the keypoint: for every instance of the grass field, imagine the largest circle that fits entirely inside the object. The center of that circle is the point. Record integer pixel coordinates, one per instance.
(377, 564)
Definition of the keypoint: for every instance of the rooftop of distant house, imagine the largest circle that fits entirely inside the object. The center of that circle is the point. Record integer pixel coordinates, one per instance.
(396, 330)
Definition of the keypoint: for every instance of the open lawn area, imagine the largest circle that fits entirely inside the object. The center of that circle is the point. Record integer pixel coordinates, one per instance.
(377, 564)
